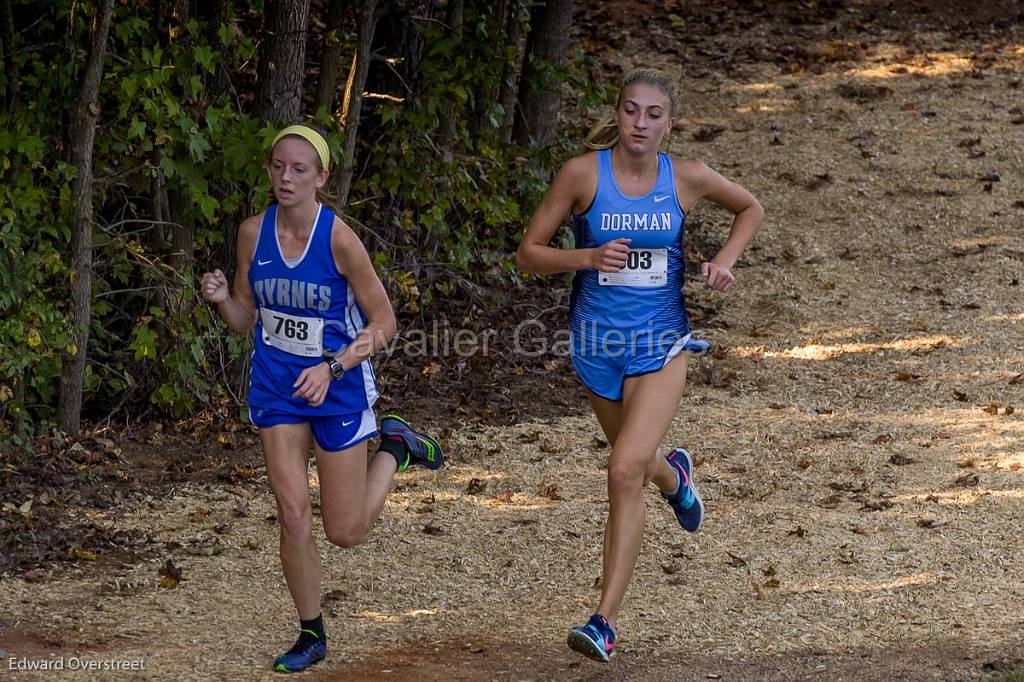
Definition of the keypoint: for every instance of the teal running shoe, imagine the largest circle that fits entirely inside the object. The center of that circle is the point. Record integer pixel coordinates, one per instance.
(594, 640)
(686, 502)
(419, 447)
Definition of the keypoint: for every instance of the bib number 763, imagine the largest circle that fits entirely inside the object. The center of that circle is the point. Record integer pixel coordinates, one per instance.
(292, 333)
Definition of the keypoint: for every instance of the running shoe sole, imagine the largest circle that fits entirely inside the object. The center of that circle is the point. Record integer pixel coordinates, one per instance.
(582, 644)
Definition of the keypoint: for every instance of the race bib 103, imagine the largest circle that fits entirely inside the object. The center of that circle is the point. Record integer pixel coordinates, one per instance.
(644, 268)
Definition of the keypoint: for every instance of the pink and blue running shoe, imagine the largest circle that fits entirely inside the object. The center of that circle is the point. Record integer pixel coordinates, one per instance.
(686, 502)
(594, 640)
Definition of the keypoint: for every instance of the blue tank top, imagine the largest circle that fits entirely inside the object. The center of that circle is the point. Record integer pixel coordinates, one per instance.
(302, 306)
(652, 303)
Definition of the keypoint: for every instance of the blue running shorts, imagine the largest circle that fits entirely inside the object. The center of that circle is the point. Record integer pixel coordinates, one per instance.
(604, 373)
(332, 432)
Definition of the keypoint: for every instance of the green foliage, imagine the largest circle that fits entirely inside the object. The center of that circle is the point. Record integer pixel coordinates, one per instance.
(178, 160)
(159, 129)
(456, 196)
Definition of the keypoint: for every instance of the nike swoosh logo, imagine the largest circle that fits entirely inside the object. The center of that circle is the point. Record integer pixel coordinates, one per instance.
(263, 262)
(348, 423)
(661, 198)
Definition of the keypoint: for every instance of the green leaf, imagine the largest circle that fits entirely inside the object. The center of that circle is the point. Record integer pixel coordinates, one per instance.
(204, 57)
(143, 342)
(198, 146)
(137, 128)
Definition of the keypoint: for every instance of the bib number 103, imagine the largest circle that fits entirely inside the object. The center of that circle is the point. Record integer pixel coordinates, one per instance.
(639, 260)
(644, 268)
(292, 333)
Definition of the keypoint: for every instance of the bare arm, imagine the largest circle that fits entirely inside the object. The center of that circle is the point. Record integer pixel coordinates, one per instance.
(353, 262)
(700, 182)
(572, 189)
(238, 309)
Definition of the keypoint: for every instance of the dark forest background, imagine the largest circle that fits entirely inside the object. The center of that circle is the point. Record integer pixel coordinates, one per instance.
(132, 143)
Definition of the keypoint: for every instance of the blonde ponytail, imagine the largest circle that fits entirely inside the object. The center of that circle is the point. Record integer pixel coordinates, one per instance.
(604, 135)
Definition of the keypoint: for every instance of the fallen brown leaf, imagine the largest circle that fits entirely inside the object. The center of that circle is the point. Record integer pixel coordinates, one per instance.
(432, 528)
(967, 480)
(735, 561)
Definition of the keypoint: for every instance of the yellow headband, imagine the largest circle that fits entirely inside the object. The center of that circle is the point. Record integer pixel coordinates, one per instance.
(311, 136)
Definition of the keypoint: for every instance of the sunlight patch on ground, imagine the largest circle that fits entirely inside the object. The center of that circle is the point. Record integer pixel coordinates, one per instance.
(988, 240)
(755, 87)
(462, 477)
(935, 64)
(837, 334)
(1004, 318)
(950, 421)
(850, 586)
(827, 352)
(380, 617)
(958, 497)
(767, 105)
(1013, 461)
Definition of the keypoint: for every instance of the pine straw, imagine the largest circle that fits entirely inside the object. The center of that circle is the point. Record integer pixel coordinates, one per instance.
(861, 497)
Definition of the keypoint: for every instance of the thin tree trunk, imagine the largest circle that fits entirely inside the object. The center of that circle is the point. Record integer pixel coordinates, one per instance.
(540, 95)
(182, 230)
(216, 13)
(454, 19)
(513, 68)
(10, 64)
(330, 62)
(83, 135)
(282, 61)
(353, 103)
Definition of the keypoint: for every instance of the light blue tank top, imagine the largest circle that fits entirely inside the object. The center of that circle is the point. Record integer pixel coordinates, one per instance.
(655, 223)
(304, 291)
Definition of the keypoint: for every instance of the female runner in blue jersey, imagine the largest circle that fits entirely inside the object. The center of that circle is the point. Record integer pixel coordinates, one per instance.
(306, 283)
(627, 313)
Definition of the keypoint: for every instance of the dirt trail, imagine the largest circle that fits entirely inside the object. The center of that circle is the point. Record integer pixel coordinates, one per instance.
(854, 430)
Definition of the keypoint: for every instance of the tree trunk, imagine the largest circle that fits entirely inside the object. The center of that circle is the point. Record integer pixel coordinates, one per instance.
(83, 135)
(539, 94)
(353, 103)
(282, 61)
(513, 68)
(454, 20)
(10, 64)
(216, 13)
(454, 17)
(330, 62)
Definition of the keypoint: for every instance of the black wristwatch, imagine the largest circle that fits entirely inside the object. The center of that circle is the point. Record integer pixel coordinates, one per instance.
(337, 371)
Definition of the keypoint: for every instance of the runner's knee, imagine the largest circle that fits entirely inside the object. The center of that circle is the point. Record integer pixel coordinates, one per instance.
(296, 520)
(625, 476)
(345, 534)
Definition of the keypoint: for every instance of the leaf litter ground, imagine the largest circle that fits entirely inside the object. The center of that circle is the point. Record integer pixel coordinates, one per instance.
(857, 429)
